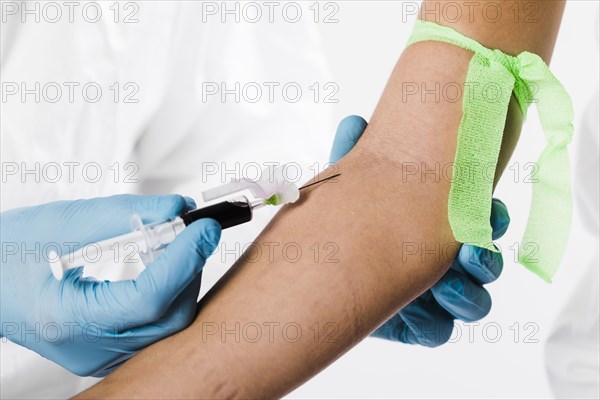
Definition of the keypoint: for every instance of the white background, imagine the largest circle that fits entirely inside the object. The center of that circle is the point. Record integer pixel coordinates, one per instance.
(362, 49)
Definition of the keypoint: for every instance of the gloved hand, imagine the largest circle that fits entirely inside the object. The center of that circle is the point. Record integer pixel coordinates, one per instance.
(87, 326)
(459, 294)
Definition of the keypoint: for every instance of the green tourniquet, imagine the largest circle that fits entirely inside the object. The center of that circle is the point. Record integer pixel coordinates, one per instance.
(491, 79)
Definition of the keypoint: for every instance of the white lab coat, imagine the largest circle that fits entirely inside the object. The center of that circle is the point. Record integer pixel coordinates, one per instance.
(173, 136)
(573, 348)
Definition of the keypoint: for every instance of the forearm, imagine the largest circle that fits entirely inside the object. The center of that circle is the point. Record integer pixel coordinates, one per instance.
(367, 284)
(374, 214)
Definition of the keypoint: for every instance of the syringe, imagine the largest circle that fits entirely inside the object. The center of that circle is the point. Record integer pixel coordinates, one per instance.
(149, 240)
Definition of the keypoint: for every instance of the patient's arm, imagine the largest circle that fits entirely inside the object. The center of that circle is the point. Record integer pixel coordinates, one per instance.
(373, 214)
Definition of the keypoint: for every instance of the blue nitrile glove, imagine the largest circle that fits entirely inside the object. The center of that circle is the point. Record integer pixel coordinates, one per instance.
(459, 294)
(87, 326)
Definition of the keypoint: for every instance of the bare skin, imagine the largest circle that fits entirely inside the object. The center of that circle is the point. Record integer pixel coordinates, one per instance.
(372, 213)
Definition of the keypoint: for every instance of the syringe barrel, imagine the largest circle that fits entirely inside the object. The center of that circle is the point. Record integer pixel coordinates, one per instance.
(151, 239)
(98, 252)
(227, 213)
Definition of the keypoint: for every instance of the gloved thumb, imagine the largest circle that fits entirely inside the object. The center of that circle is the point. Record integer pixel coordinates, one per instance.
(348, 132)
(151, 294)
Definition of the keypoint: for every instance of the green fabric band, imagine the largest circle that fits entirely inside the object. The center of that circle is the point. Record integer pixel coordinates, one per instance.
(478, 147)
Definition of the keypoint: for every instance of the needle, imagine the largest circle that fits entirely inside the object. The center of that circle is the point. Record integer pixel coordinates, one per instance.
(322, 180)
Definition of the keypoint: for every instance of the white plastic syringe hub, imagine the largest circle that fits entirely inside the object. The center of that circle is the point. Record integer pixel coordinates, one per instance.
(272, 182)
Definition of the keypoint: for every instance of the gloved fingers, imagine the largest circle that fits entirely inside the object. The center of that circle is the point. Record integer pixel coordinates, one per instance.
(190, 204)
(499, 219)
(145, 300)
(394, 329)
(348, 132)
(183, 259)
(109, 369)
(163, 280)
(114, 212)
(74, 224)
(179, 316)
(124, 339)
(422, 322)
(482, 265)
(461, 297)
(429, 324)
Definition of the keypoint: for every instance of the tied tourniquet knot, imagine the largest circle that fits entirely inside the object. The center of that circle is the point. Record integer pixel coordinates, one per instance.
(478, 147)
